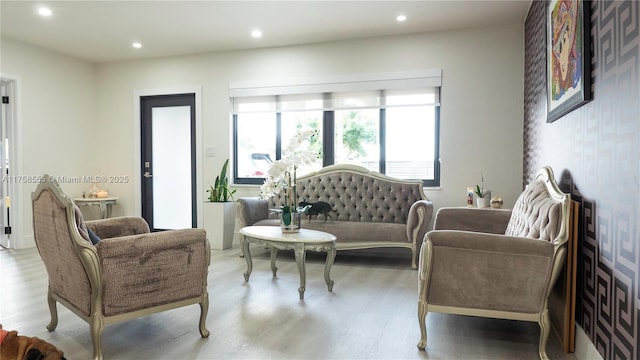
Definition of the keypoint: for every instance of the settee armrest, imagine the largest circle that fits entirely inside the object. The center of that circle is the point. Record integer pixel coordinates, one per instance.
(140, 271)
(250, 210)
(418, 222)
(119, 226)
(463, 269)
(493, 221)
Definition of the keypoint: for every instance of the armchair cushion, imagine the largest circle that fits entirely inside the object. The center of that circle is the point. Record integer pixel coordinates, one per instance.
(487, 271)
(352, 231)
(493, 221)
(146, 270)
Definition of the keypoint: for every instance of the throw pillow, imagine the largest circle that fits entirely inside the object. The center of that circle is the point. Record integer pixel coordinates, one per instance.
(92, 236)
(82, 227)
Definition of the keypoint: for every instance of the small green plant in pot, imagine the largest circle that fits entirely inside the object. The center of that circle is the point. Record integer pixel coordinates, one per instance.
(482, 195)
(220, 190)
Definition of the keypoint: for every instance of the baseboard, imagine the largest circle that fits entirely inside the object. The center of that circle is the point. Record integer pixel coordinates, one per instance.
(26, 242)
(585, 350)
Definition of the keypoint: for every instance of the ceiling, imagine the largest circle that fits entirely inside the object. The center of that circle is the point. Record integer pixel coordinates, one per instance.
(102, 31)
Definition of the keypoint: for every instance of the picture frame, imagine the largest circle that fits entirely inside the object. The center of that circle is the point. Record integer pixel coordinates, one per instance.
(568, 39)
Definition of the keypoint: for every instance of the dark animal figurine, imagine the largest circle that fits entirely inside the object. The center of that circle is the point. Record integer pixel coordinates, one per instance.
(317, 208)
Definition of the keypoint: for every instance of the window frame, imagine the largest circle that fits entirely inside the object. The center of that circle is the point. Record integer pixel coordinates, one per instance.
(328, 153)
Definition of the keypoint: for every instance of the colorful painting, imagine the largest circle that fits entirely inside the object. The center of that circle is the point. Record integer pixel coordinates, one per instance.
(568, 57)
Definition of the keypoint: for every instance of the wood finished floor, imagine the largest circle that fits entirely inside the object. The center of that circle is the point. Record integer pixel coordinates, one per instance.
(371, 314)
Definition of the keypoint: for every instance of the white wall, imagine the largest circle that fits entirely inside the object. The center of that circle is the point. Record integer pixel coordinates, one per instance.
(481, 113)
(58, 119)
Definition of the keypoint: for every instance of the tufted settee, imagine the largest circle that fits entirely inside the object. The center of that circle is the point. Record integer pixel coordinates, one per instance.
(371, 210)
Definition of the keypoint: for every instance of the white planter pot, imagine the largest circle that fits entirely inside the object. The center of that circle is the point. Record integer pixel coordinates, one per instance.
(484, 202)
(219, 221)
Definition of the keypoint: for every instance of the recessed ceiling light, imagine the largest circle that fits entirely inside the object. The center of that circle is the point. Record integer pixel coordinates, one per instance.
(136, 45)
(44, 11)
(401, 18)
(256, 34)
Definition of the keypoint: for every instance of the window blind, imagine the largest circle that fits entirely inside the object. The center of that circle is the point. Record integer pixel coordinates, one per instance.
(357, 92)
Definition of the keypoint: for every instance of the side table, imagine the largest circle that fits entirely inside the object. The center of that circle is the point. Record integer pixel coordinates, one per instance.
(105, 204)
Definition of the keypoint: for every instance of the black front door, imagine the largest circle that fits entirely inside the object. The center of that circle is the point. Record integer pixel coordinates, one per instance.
(168, 161)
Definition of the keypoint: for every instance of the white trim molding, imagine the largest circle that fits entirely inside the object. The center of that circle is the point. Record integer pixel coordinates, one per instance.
(585, 350)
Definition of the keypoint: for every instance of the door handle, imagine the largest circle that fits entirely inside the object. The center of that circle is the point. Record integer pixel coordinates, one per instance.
(147, 174)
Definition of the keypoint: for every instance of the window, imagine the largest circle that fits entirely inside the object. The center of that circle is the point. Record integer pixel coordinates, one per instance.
(411, 143)
(255, 145)
(356, 138)
(394, 132)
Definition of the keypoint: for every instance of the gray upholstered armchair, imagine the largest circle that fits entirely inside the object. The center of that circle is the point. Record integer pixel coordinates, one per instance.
(496, 263)
(129, 273)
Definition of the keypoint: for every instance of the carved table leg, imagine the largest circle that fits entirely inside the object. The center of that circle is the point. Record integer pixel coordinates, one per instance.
(274, 253)
(331, 256)
(103, 210)
(300, 259)
(247, 256)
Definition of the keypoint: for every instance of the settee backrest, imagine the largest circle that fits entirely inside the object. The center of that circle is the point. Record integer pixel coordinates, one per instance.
(541, 211)
(358, 194)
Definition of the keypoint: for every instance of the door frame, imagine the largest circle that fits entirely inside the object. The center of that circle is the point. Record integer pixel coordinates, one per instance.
(19, 240)
(137, 141)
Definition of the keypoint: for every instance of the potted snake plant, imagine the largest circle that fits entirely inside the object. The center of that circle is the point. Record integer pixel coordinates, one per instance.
(219, 211)
(220, 190)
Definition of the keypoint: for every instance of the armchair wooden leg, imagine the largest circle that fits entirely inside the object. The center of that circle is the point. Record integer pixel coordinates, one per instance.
(96, 325)
(544, 322)
(54, 312)
(422, 317)
(204, 309)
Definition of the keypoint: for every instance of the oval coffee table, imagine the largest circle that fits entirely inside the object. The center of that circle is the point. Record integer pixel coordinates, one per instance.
(275, 239)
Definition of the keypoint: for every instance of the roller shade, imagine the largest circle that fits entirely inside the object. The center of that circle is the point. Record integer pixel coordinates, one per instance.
(357, 92)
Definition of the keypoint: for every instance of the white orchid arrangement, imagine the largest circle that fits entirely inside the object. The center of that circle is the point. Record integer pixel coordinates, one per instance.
(282, 173)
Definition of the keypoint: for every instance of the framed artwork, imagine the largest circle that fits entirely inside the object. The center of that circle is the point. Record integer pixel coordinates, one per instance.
(568, 56)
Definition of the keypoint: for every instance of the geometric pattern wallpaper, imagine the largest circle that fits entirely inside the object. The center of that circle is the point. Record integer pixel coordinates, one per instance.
(595, 150)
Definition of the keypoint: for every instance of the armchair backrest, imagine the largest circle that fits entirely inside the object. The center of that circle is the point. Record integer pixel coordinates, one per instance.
(55, 228)
(541, 211)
